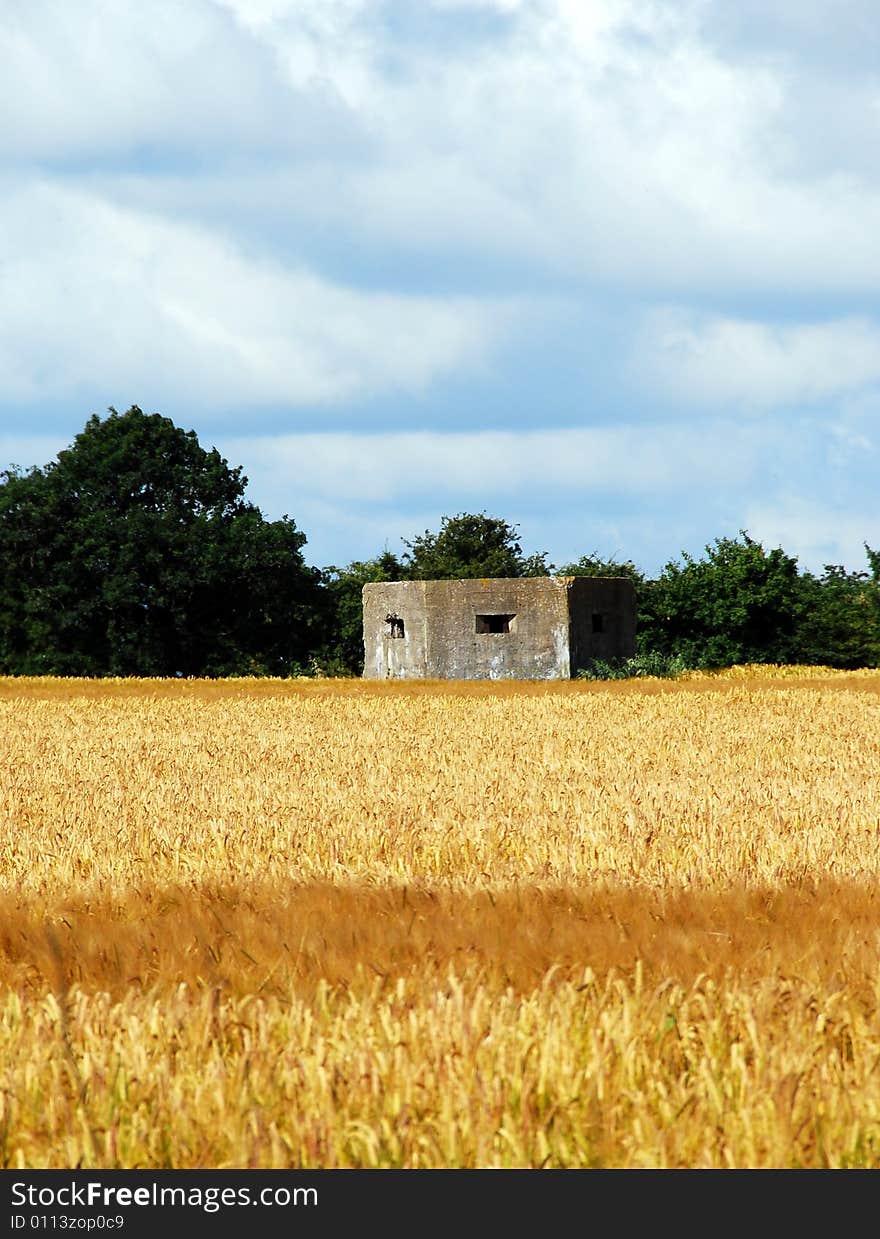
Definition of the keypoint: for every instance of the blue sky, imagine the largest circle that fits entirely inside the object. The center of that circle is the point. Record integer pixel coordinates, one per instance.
(607, 269)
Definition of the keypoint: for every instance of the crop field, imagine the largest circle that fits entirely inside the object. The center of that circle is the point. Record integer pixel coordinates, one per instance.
(325, 923)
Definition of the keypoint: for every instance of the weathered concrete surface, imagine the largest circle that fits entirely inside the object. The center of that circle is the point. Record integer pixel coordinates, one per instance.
(613, 599)
(518, 628)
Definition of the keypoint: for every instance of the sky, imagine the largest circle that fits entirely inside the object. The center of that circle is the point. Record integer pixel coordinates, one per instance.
(607, 270)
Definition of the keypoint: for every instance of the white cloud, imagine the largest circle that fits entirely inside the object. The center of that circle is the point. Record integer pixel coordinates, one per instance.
(499, 6)
(644, 492)
(107, 76)
(608, 140)
(470, 467)
(716, 361)
(617, 140)
(96, 297)
(814, 532)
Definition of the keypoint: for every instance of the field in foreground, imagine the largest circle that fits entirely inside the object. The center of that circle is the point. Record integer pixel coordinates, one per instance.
(266, 923)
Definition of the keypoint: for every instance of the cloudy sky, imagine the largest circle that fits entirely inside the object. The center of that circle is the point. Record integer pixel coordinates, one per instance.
(607, 269)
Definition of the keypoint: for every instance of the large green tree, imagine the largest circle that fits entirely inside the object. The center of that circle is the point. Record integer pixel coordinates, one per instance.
(135, 553)
(470, 545)
(840, 620)
(738, 604)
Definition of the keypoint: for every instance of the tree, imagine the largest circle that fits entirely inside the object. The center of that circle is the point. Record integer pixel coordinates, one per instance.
(840, 625)
(135, 553)
(739, 604)
(470, 545)
(595, 565)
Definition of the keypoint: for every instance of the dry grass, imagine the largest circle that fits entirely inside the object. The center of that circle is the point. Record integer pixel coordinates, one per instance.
(324, 923)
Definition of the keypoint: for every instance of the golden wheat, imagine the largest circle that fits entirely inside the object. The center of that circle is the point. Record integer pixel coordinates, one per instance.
(324, 923)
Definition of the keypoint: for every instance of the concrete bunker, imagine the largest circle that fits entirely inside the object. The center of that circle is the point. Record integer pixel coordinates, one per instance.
(496, 628)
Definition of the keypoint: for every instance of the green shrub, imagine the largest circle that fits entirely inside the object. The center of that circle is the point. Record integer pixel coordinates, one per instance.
(649, 663)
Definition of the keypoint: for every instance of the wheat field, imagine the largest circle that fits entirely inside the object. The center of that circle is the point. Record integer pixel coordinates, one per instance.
(324, 923)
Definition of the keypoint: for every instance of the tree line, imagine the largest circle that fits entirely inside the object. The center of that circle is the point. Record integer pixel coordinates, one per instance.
(136, 553)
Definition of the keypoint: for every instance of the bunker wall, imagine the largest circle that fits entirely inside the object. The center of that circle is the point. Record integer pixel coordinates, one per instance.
(497, 629)
(388, 655)
(525, 628)
(602, 614)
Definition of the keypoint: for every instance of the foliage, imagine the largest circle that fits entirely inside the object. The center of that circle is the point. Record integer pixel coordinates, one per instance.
(840, 625)
(471, 545)
(595, 565)
(650, 663)
(739, 604)
(135, 553)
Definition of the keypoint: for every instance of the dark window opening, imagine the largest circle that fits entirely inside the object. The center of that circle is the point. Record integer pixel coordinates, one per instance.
(494, 623)
(395, 623)
(598, 622)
